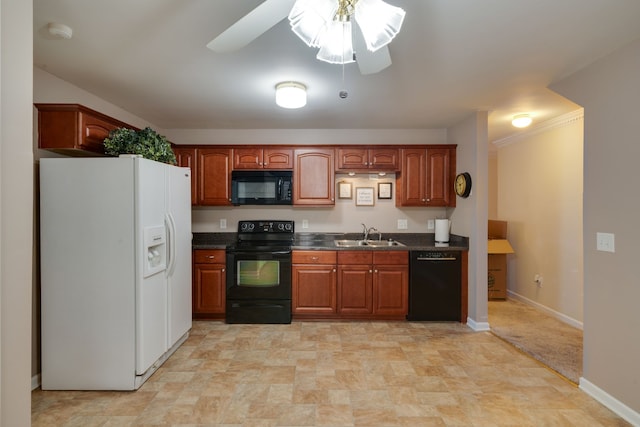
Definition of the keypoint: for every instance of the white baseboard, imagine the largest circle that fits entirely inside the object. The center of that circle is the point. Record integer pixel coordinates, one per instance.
(478, 326)
(35, 382)
(610, 402)
(562, 317)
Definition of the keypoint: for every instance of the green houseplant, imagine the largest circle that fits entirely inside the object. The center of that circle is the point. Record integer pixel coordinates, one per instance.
(146, 142)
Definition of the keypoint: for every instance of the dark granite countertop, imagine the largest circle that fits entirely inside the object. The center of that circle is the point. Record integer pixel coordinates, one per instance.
(325, 241)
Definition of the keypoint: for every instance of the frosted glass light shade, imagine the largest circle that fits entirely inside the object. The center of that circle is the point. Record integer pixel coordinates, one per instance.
(338, 44)
(378, 21)
(291, 95)
(521, 120)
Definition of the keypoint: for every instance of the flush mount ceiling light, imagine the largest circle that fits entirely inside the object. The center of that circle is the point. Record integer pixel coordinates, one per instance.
(521, 120)
(291, 95)
(326, 24)
(60, 30)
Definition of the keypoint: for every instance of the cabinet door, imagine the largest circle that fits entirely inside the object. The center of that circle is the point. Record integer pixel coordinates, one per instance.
(247, 158)
(355, 289)
(412, 180)
(391, 287)
(186, 157)
(278, 158)
(209, 289)
(313, 289)
(440, 176)
(384, 159)
(352, 158)
(314, 177)
(214, 176)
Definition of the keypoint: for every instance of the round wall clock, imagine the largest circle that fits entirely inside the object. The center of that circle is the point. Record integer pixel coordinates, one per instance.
(463, 184)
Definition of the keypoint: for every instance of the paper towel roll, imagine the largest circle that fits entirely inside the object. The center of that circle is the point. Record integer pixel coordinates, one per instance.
(442, 230)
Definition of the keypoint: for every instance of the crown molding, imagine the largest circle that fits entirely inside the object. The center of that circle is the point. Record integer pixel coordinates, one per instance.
(560, 121)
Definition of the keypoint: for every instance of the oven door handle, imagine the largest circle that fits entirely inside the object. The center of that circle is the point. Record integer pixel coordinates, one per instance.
(244, 253)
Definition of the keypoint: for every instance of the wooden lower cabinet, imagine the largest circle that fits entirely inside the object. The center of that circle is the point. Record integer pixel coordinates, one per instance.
(374, 283)
(350, 284)
(209, 283)
(313, 283)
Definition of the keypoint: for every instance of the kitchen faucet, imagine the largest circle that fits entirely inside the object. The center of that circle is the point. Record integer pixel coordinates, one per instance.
(366, 231)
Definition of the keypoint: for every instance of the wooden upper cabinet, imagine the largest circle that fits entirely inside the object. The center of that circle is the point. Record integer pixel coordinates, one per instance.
(214, 176)
(412, 181)
(263, 158)
(440, 176)
(186, 157)
(313, 183)
(73, 129)
(359, 159)
(426, 177)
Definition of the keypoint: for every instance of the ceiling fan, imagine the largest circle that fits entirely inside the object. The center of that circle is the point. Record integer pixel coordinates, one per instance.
(371, 58)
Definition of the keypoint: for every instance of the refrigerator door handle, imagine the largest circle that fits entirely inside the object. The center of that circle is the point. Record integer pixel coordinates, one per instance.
(171, 250)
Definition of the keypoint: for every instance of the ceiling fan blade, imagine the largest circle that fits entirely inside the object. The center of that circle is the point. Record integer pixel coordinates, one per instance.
(370, 62)
(251, 26)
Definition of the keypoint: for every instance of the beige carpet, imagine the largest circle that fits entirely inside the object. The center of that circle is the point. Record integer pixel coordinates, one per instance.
(547, 339)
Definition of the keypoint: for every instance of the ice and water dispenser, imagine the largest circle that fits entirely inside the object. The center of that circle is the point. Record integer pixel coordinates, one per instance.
(155, 249)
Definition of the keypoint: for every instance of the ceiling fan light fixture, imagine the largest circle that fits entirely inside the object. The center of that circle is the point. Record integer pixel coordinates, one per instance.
(521, 120)
(291, 95)
(326, 24)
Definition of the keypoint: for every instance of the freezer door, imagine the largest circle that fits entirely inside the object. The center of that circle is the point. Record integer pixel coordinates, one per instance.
(151, 290)
(179, 253)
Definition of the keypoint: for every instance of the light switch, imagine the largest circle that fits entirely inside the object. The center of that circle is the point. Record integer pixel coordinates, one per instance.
(605, 242)
(223, 223)
(305, 223)
(402, 224)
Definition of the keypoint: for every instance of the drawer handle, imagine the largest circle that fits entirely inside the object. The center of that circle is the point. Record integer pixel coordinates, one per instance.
(211, 256)
(315, 258)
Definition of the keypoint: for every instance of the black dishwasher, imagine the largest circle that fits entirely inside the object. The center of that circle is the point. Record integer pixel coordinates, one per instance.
(435, 285)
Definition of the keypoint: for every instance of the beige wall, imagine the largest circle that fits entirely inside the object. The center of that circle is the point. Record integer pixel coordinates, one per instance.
(609, 91)
(469, 218)
(492, 187)
(539, 194)
(16, 210)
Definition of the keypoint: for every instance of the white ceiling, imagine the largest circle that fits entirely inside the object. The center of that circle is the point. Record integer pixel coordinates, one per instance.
(452, 57)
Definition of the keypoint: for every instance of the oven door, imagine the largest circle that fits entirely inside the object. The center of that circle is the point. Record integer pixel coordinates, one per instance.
(258, 275)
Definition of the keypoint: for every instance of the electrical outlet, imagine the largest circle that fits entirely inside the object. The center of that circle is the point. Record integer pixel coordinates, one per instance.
(605, 242)
(223, 224)
(431, 224)
(402, 224)
(538, 279)
(305, 223)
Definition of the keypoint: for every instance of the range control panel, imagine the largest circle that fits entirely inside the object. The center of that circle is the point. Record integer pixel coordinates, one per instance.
(266, 227)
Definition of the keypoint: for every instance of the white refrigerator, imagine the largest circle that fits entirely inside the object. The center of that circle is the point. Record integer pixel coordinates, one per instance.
(115, 258)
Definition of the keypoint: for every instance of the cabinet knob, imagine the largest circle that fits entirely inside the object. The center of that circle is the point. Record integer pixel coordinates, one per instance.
(334, 270)
(223, 270)
(375, 271)
(211, 256)
(370, 271)
(424, 200)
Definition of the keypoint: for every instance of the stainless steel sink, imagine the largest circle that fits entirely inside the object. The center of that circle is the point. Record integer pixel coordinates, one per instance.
(366, 243)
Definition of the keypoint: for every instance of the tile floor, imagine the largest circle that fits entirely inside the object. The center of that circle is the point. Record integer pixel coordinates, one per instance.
(336, 374)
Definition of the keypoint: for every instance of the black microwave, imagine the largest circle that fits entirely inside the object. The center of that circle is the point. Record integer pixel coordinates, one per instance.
(261, 187)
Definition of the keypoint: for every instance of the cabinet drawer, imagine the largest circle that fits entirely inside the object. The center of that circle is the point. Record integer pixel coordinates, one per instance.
(391, 257)
(314, 257)
(209, 256)
(355, 257)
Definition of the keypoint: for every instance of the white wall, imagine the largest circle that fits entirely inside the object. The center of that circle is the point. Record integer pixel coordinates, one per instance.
(471, 214)
(540, 196)
(16, 210)
(609, 91)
